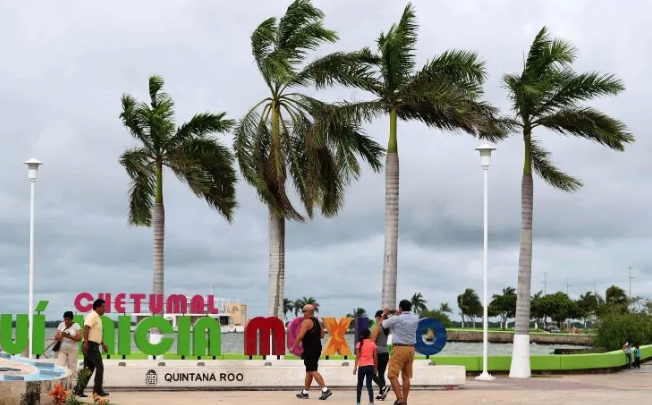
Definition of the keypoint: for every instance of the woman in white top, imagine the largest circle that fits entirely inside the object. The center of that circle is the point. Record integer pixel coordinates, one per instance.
(69, 334)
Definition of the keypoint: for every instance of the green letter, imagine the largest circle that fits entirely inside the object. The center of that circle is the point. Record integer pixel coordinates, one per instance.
(124, 335)
(108, 333)
(183, 335)
(142, 341)
(38, 335)
(79, 319)
(9, 344)
(214, 343)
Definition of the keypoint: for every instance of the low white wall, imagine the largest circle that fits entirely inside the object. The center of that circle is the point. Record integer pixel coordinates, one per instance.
(254, 374)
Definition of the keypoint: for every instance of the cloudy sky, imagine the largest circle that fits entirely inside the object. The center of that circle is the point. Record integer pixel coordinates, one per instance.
(64, 66)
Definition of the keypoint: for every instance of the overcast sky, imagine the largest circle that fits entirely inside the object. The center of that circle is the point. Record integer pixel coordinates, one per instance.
(65, 65)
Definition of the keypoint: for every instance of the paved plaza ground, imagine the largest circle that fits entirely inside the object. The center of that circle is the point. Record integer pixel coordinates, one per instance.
(629, 386)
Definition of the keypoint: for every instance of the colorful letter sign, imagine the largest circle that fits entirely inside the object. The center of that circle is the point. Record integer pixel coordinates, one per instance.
(440, 336)
(336, 342)
(174, 304)
(201, 339)
(293, 331)
(266, 326)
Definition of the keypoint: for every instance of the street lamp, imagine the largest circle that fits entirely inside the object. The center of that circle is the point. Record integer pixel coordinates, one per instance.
(32, 169)
(485, 158)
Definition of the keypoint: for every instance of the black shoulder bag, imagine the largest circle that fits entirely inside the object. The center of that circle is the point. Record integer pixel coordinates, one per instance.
(57, 345)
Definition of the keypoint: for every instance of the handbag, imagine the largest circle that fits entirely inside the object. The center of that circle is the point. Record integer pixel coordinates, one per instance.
(57, 345)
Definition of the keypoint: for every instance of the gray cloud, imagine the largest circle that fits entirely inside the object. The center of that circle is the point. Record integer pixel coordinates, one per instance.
(65, 66)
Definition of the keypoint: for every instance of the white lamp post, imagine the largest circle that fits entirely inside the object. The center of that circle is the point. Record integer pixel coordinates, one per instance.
(485, 158)
(32, 169)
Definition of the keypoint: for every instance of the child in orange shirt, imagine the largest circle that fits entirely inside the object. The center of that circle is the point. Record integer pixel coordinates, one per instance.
(366, 362)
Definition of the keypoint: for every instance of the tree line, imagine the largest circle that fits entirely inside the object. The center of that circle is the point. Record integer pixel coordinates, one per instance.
(557, 307)
(292, 139)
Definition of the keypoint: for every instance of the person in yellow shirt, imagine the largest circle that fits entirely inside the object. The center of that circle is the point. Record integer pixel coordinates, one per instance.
(91, 349)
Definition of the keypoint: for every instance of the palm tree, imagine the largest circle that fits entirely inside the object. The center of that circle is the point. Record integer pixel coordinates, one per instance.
(537, 311)
(469, 304)
(291, 137)
(444, 94)
(445, 308)
(357, 312)
(616, 295)
(298, 305)
(288, 306)
(418, 303)
(188, 150)
(504, 305)
(303, 301)
(547, 93)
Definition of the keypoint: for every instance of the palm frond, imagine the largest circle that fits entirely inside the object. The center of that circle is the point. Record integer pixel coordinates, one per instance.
(207, 167)
(543, 166)
(272, 63)
(440, 104)
(354, 69)
(579, 87)
(327, 147)
(135, 122)
(461, 68)
(443, 93)
(155, 85)
(140, 168)
(397, 49)
(200, 126)
(263, 39)
(547, 54)
(301, 29)
(253, 150)
(590, 124)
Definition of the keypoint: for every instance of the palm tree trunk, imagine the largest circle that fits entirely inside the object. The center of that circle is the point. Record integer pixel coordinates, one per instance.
(391, 217)
(158, 225)
(276, 264)
(276, 229)
(520, 367)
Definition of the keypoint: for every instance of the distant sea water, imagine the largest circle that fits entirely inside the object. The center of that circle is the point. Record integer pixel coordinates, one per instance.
(234, 343)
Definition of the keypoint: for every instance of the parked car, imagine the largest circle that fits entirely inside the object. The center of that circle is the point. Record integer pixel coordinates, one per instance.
(554, 329)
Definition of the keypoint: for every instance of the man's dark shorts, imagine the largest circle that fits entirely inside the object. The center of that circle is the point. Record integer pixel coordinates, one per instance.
(310, 360)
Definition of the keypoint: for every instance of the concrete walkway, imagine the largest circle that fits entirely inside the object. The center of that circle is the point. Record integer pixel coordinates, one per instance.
(630, 386)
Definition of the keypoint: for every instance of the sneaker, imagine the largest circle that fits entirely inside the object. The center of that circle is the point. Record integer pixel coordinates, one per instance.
(383, 392)
(397, 402)
(325, 394)
(301, 395)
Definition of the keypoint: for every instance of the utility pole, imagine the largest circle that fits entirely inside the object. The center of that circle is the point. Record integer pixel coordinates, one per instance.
(567, 285)
(630, 281)
(545, 283)
(630, 285)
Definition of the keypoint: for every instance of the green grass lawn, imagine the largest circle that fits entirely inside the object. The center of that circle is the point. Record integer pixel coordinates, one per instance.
(224, 356)
(509, 330)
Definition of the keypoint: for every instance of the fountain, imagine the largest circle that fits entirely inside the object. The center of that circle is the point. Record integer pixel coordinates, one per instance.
(26, 381)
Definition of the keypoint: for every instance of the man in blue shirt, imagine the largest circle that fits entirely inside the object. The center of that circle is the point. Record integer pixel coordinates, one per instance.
(404, 329)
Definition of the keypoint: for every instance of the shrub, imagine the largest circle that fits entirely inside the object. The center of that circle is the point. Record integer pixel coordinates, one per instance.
(438, 315)
(615, 329)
